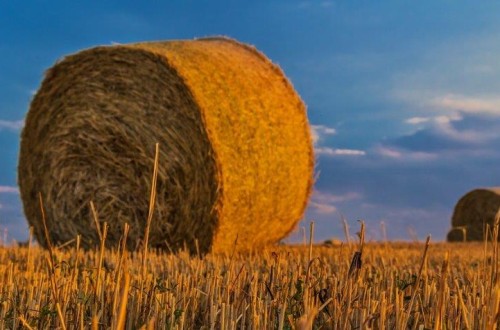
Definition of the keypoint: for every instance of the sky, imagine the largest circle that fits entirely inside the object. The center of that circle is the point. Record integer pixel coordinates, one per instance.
(403, 96)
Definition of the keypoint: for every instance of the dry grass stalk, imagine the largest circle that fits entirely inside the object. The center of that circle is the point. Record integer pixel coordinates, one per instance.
(416, 284)
(152, 200)
(122, 313)
(50, 259)
(439, 310)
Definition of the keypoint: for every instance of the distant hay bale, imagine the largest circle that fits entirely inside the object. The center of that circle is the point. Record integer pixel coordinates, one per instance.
(473, 212)
(457, 234)
(236, 158)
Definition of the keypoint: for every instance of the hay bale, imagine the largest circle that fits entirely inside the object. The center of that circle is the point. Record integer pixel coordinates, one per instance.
(457, 234)
(472, 212)
(236, 158)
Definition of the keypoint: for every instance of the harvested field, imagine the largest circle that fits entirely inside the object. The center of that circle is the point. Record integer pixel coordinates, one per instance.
(394, 287)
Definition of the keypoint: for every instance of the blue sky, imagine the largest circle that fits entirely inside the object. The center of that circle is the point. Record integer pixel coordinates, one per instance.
(403, 96)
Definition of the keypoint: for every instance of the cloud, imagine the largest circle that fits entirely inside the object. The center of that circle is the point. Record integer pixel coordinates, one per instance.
(477, 105)
(454, 135)
(402, 154)
(466, 82)
(333, 198)
(327, 151)
(389, 152)
(318, 132)
(417, 120)
(444, 125)
(323, 208)
(12, 125)
(9, 190)
(323, 202)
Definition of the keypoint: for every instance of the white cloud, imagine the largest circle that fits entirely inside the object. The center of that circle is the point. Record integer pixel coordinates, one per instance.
(446, 119)
(475, 105)
(443, 125)
(9, 190)
(389, 152)
(318, 132)
(466, 83)
(12, 125)
(332, 198)
(417, 120)
(400, 154)
(323, 203)
(323, 208)
(339, 152)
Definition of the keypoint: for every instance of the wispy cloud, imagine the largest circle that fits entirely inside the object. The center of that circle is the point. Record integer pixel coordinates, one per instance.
(333, 198)
(12, 125)
(318, 132)
(332, 152)
(388, 152)
(445, 126)
(323, 203)
(323, 208)
(402, 154)
(9, 190)
(417, 120)
(466, 104)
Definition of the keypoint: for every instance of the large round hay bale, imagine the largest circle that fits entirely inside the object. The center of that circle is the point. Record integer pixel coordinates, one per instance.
(236, 157)
(473, 212)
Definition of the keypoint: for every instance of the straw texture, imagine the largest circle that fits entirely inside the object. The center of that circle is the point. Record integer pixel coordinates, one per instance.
(473, 212)
(236, 159)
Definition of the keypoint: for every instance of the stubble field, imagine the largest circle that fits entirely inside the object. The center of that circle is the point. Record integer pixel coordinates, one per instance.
(346, 286)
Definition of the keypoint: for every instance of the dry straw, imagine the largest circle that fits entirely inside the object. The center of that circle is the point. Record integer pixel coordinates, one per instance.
(474, 213)
(236, 158)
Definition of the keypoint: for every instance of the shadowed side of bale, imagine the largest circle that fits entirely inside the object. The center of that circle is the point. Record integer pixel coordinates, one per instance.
(236, 158)
(473, 212)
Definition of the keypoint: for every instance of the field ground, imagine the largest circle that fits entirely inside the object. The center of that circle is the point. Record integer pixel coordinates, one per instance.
(278, 288)
(393, 287)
